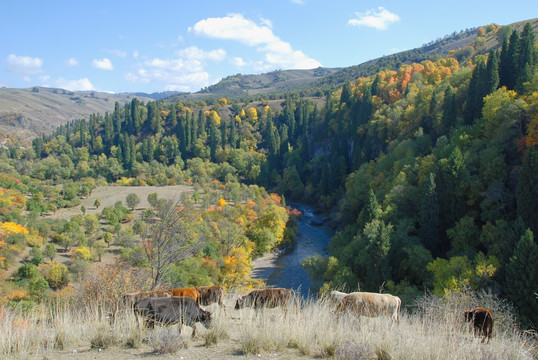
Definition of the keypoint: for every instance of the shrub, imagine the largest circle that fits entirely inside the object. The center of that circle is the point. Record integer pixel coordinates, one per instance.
(56, 274)
(167, 341)
(104, 337)
(83, 253)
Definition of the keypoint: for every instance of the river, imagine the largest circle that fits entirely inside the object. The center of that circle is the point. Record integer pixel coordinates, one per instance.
(284, 269)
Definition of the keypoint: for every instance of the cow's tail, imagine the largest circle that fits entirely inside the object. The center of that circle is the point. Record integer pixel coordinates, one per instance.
(398, 309)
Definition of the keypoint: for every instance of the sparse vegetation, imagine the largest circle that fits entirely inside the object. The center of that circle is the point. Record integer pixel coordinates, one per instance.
(314, 332)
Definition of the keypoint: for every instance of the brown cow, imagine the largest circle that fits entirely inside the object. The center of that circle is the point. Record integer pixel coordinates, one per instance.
(482, 320)
(212, 294)
(335, 297)
(265, 298)
(188, 292)
(132, 298)
(371, 304)
(172, 310)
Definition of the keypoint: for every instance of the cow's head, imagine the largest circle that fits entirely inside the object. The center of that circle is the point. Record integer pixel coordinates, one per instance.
(205, 317)
(239, 303)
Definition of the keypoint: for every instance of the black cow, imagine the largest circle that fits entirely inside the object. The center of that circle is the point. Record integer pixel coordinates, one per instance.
(482, 321)
(172, 310)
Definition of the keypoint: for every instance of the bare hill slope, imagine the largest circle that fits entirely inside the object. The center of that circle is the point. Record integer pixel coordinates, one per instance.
(25, 113)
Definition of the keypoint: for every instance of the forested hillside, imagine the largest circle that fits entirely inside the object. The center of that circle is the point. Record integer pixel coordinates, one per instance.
(428, 171)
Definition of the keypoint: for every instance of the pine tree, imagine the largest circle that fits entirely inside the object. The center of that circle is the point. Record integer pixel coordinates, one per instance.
(450, 110)
(476, 93)
(109, 133)
(117, 121)
(504, 64)
(345, 97)
(492, 71)
(527, 57)
(527, 190)
(521, 279)
(429, 214)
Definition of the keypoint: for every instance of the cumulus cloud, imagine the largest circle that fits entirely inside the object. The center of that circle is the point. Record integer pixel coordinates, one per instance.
(74, 85)
(195, 53)
(71, 62)
(238, 61)
(278, 53)
(379, 18)
(24, 65)
(103, 64)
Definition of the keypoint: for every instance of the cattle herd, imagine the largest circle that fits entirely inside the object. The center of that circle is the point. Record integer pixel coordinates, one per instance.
(184, 306)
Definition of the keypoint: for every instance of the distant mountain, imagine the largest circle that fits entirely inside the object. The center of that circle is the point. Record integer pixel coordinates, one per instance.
(37, 110)
(463, 45)
(25, 113)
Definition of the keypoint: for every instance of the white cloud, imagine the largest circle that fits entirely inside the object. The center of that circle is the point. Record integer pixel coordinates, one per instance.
(136, 54)
(104, 64)
(300, 2)
(23, 64)
(195, 53)
(71, 62)
(176, 74)
(278, 53)
(238, 61)
(187, 72)
(74, 85)
(378, 18)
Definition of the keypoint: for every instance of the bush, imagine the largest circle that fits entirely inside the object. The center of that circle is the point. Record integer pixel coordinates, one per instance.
(103, 338)
(167, 341)
(56, 274)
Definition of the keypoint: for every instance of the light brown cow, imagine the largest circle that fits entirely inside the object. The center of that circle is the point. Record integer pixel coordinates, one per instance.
(211, 294)
(132, 298)
(371, 304)
(188, 292)
(335, 297)
(266, 298)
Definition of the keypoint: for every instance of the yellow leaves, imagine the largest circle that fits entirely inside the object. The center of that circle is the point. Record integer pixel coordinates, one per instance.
(252, 114)
(13, 228)
(213, 116)
(18, 295)
(238, 119)
(83, 253)
(223, 101)
(222, 202)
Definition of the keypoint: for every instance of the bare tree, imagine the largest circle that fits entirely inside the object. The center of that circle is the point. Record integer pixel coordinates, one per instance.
(169, 237)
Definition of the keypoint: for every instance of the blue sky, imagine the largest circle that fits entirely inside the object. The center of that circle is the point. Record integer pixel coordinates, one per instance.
(152, 46)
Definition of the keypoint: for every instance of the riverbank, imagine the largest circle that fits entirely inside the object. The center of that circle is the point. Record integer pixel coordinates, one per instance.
(264, 266)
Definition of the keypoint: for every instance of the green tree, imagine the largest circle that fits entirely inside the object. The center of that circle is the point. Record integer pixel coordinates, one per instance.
(50, 251)
(527, 190)
(97, 203)
(132, 200)
(99, 248)
(522, 277)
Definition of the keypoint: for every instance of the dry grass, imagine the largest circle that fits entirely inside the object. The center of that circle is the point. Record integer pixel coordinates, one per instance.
(435, 330)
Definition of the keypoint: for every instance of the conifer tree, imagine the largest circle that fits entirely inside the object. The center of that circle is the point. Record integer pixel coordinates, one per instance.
(492, 71)
(450, 110)
(527, 57)
(527, 190)
(429, 214)
(117, 120)
(521, 279)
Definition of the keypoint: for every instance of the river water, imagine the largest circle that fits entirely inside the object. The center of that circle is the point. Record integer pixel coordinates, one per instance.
(312, 238)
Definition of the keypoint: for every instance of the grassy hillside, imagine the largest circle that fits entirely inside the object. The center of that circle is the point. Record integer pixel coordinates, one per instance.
(25, 113)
